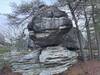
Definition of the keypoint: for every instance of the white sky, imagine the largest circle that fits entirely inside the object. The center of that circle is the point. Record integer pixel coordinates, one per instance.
(5, 5)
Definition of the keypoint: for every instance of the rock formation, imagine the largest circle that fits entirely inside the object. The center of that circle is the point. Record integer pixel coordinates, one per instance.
(54, 36)
(45, 29)
(57, 60)
(53, 21)
(53, 32)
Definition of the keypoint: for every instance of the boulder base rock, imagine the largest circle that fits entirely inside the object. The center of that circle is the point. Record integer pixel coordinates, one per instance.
(52, 60)
(57, 59)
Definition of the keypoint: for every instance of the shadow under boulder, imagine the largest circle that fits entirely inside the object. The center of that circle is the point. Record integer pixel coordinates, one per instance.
(71, 42)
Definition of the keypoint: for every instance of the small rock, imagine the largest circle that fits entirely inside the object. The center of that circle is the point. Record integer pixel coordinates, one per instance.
(45, 73)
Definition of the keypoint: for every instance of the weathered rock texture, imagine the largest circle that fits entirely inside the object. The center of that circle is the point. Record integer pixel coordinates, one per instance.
(52, 60)
(52, 30)
(45, 29)
(49, 17)
(57, 60)
(50, 20)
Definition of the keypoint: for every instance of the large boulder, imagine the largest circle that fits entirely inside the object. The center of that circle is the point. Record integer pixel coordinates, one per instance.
(50, 20)
(53, 32)
(45, 29)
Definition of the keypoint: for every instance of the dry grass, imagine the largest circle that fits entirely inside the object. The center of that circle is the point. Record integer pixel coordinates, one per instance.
(6, 70)
(87, 68)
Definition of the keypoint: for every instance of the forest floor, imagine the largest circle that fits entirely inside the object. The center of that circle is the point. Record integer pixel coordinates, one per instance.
(85, 68)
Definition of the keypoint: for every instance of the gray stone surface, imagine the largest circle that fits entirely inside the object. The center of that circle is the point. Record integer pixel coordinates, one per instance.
(31, 57)
(56, 37)
(50, 19)
(52, 59)
(57, 59)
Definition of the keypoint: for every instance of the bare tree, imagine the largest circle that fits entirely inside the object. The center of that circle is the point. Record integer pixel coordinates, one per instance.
(87, 28)
(94, 24)
(76, 23)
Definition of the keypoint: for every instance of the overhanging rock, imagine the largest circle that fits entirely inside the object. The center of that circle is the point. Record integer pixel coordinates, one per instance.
(49, 20)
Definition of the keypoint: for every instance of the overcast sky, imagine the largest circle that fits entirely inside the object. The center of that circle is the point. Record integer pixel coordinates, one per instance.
(5, 4)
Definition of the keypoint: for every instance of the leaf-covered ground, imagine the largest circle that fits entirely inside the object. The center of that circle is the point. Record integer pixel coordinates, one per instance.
(87, 68)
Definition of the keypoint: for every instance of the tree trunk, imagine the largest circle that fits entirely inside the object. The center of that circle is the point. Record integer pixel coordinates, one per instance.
(76, 23)
(88, 32)
(94, 23)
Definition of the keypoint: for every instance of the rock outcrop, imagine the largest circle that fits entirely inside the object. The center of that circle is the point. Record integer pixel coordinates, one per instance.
(53, 21)
(57, 60)
(47, 18)
(52, 32)
(52, 60)
(45, 29)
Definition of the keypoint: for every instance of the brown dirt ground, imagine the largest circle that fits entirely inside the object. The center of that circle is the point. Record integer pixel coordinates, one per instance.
(87, 68)
(6, 70)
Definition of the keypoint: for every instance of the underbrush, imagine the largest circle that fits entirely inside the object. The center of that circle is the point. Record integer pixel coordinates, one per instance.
(3, 50)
